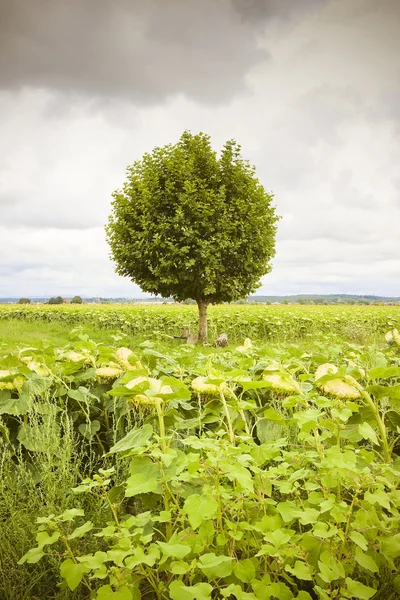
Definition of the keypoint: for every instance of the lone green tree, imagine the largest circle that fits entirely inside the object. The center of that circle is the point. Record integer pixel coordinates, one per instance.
(190, 224)
(76, 300)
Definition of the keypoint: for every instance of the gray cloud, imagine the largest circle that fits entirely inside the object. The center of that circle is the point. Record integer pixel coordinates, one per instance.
(144, 50)
(319, 119)
(259, 11)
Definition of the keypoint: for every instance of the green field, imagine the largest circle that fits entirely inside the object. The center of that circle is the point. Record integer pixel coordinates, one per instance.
(266, 470)
(277, 322)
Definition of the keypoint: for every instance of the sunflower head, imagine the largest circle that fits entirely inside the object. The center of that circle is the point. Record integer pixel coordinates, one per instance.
(106, 374)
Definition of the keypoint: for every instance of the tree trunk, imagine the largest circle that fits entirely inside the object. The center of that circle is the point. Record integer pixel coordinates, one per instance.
(203, 325)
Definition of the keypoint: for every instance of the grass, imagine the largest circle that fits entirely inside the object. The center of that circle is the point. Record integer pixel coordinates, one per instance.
(18, 333)
(27, 490)
(15, 334)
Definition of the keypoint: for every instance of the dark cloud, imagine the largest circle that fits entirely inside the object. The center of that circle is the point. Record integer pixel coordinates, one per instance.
(259, 11)
(88, 86)
(144, 50)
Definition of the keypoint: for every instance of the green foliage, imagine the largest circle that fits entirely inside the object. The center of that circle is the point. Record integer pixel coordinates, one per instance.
(309, 524)
(57, 300)
(172, 492)
(76, 300)
(24, 301)
(189, 225)
(272, 323)
(35, 484)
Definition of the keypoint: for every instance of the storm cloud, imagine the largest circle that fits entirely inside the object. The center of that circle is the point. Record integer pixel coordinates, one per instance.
(143, 50)
(309, 89)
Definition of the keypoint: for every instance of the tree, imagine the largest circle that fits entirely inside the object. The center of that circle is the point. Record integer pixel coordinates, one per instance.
(188, 224)
(57, 300)
(76, 300)
(24, 301)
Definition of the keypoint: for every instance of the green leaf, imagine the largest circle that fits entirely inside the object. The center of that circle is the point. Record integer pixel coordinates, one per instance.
(390, 546)
(122, 391)
(300, 570)
(392, 420)
(344, 414)
(44, 539)
(32, 556)
(80, 531)
(72, 573)
(145, 477)
(179, 567)
(107, 593)
(321, 593)
(33, 437)
(239, 473)
(359, 590)
(308, 516)
(323, 530)
(137, 485)
(341, 459)
(139, 557)
(278, 590)
(179, 591)
(13, 406)
(215, 566)
(245, 570)
(89, 430)
(71, 513)
(78, 395)
(383, 391)
(200, 508)
(368, 433)
(36, 386)
(174, 550)
(338, 514)
(236, 591)
(330, 569)
(378, 497)
(272, 415)
(100, 573)
(93, 561)
(133, 439)
(279, 537)
(384, 372)
(45, 519)
(366, 561)
(206, 532)
(288, 511)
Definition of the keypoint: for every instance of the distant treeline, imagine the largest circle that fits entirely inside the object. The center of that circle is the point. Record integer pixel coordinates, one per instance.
(294, 299)
(324, 299)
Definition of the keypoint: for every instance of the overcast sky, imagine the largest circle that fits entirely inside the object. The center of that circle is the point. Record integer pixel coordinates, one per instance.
(309, 88)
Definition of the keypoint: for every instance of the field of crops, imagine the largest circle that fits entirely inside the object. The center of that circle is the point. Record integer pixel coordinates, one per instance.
(277, 322)
(268, 470)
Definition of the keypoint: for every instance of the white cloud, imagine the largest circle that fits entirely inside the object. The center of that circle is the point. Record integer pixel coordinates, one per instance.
(59, 261)
(319, 122)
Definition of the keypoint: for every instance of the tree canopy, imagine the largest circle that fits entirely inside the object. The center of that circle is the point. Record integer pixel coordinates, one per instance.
(190, 224)
(57, 300)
